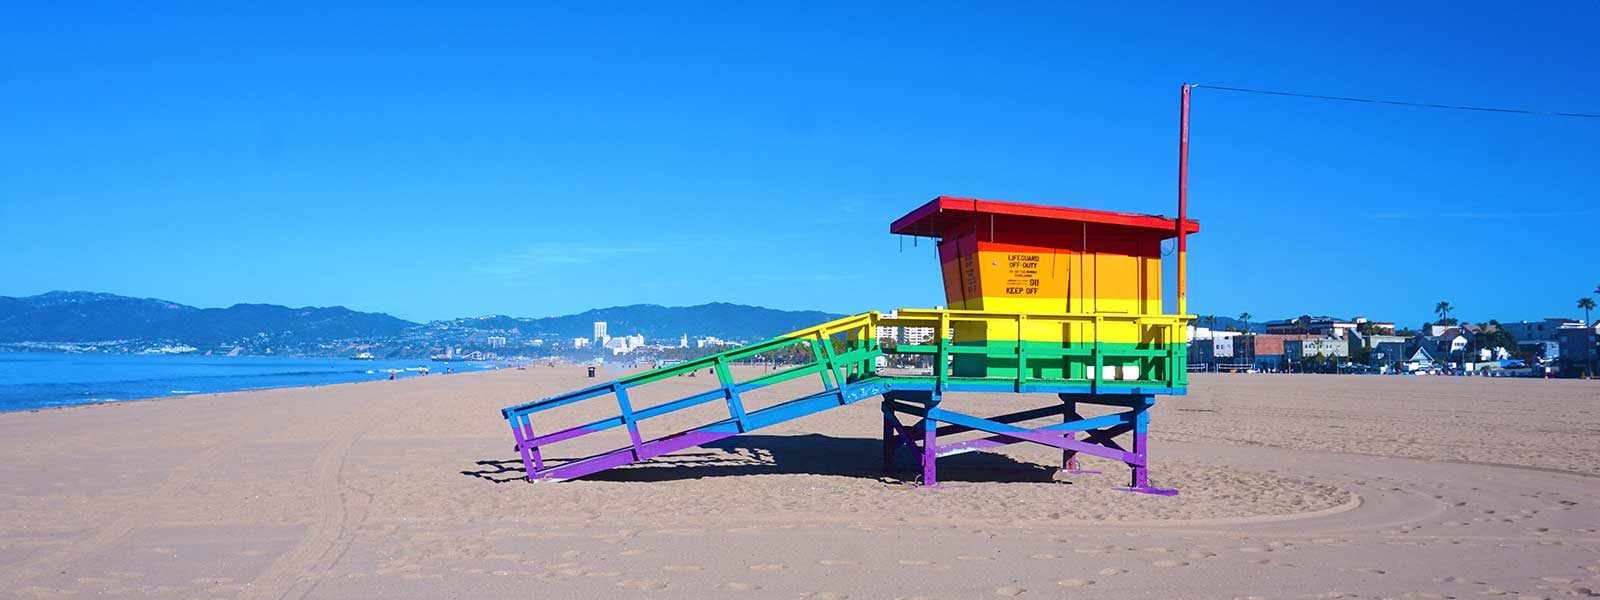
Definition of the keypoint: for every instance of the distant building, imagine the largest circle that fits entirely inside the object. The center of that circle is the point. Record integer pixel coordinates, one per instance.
(916, 336)
(1421, 360)
(1579, 350)
(1211, 350)
(1375, 327)
(1263, 350)
(600, 336)
(1546, 351)
(683, 342)
(624, 344)
(1296, 351)
(1374, 340)
(496, 341)
(580, 343)
(906, 336)
(1449, 342)
(1309, 325)
(1391, 351)
(1538, 331)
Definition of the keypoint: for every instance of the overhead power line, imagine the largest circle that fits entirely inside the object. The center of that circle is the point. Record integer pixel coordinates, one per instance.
(1517, 111)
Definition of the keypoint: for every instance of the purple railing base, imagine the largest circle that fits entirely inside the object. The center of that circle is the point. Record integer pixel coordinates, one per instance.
(1154, 491)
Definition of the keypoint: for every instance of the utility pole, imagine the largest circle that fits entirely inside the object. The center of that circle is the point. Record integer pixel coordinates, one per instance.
(1183, 201)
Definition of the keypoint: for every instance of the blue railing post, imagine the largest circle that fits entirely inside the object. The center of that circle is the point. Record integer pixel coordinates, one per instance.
(731, 391)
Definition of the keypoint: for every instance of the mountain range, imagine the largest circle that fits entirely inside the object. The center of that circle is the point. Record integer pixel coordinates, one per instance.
(718, 319)
(86, 317)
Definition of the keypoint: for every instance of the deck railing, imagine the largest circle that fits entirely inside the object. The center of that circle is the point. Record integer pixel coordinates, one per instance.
(1159, 337)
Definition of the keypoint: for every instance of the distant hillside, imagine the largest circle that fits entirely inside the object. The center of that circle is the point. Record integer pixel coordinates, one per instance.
(727, 321)
(70, 321)
(89, 316)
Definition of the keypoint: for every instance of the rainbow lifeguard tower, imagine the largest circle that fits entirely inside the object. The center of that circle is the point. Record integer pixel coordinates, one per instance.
(1043, 300)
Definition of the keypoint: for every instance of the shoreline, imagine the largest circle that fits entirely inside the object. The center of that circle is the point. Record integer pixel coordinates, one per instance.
(129, 401)
(38, 381)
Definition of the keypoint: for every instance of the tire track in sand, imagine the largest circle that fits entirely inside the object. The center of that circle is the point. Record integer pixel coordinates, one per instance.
(135, 517)
(294, 572)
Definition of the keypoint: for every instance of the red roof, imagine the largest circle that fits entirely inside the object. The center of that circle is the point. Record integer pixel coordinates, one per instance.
(942, 213)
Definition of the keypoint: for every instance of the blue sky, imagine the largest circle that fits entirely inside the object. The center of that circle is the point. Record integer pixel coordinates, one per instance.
(439, 160)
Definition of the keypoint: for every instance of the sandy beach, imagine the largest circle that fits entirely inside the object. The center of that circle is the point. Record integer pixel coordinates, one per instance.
(1291, 487)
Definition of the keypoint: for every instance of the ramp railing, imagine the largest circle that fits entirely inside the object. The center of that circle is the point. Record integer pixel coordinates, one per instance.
(842, 351)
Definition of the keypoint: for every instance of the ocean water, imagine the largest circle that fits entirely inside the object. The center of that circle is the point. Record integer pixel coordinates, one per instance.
(29, 381)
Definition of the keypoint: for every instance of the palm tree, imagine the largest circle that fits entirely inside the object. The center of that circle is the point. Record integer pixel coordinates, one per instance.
(1245, 317)
(1443, 309)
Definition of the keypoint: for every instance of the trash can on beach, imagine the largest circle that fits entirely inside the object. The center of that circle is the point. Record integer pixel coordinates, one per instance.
(591, 372)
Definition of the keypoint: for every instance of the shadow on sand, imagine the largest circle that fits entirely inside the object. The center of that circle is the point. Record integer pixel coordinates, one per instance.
(808, 454)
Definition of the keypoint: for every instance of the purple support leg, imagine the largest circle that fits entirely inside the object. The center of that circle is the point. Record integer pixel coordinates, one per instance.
(930, 456)
(522, 431)
(1141, 463)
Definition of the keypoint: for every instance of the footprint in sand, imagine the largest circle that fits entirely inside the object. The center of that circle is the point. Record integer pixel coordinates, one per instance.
(915, 563)
(1170, 563)
(603, 574)
(971, 557)
(739, 586)
(838, 563)
(825, 596)
(681, 567)
(1371, 571)
(631, 552)
(1009, 590)
(1043, 556)
(768, 567)
(1109, 571)
(1075, 582)
(642, 584)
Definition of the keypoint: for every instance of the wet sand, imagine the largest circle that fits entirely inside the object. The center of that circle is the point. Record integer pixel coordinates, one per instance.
(1291, 486)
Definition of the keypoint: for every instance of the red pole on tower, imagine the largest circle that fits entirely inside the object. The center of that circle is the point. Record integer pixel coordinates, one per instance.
(1183, 204)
